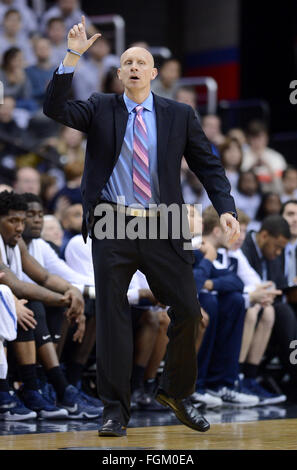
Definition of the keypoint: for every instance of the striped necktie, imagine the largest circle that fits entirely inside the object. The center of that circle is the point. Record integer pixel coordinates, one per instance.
(141, 172)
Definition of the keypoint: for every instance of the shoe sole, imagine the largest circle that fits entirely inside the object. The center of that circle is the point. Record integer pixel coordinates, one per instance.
(164, 403)
(271, 401)
(54, 415)
(239, 405)
(82, 416)
(4, 417)
(111, 434)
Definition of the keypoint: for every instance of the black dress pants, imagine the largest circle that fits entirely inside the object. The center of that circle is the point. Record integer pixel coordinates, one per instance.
(171, 280)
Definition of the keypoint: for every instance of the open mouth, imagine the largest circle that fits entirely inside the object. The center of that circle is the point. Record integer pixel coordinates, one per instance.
(134, 77)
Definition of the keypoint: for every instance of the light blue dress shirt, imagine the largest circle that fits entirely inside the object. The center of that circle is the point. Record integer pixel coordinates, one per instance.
(120, 182)
(260, 254)
(290, 262)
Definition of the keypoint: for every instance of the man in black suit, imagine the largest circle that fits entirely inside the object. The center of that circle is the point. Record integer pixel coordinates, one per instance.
(124, 134)
(289, 212)
(264, 251)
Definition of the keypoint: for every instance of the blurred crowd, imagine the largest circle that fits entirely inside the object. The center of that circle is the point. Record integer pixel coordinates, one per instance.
(249, 317)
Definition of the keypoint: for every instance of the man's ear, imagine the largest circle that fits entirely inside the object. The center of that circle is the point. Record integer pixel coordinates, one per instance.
(154, 73)
(119, 74)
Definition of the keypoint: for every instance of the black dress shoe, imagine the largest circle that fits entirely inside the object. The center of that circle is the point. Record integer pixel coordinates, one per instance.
(112, 428)
(184, 411)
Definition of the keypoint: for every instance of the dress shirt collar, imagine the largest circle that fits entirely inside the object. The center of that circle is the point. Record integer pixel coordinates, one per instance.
(291, 246)
(148, 103)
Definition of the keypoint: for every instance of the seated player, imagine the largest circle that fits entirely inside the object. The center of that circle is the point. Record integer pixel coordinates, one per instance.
(50, 290)
(259, 318)
(220, 294)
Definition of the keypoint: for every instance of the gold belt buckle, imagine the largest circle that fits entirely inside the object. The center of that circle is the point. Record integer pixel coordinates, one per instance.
(137, 212)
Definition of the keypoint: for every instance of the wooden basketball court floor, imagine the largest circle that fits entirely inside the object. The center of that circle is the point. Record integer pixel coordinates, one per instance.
(244, 432)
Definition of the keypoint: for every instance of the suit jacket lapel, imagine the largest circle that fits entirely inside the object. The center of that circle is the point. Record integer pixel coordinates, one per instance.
(121, 117)
(163, 118)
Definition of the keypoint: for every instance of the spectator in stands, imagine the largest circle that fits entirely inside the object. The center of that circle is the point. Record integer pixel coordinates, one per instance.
(90, 73)
(56, 33)
(289, 183)
(231, 156)
(111, 82)
(27, 180)
(11, 138)
(259, 317)
(13, 37)
(220, 294)
(70, 193)
(49, 189)
(40, 73)
(266, 162)
(289, 213)
(248, 194)
(52, 231)
(71, 222)
(71, 145)
(211, 125)
(70, 12)
(29, 21)
(263, 249)
(14, 79)
(169, 74)
(270, 205)
(192, 189)
(187, 95)
(238, 134)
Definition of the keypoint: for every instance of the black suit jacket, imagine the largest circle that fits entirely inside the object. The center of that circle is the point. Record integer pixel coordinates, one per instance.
(104, 118)
(275, 268)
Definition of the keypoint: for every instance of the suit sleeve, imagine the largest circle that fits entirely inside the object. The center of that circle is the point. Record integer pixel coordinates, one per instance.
(73, 113)
(207, 167)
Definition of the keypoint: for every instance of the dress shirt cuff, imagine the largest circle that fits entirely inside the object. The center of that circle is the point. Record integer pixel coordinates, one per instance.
(246, 298)
(64, 69)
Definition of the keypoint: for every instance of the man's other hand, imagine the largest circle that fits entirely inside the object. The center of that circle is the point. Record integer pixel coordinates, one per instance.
(230, 226)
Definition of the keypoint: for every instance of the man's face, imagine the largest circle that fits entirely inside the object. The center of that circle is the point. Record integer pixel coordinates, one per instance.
(290, 214)
(57, 32)
(186, 97)
(212, 127)
(73, 218)
(259, 142)
(170, 72)
(42, 49)
(240, 240)
(290, 181)
(137, 69)
(12, 226)
(34, 220)
(271, 247)
(12, 23)
(67, 6)
(28, 181)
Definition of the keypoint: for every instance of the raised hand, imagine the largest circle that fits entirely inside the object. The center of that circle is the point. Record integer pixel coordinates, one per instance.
(77, 38)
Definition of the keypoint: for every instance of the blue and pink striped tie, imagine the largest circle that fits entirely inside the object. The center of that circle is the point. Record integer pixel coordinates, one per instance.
(141, 173)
